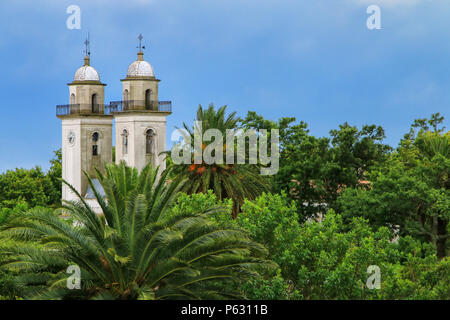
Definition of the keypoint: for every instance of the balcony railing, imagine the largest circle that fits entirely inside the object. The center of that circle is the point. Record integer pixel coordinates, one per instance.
(69, 109)
(137, 105)
(114, 106)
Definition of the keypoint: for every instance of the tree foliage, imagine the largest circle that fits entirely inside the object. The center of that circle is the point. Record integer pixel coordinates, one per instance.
(313, 170)
(139, 248)
(329, 259)
(341, 203)
(228, 181)
(410, 193)
(33, 186)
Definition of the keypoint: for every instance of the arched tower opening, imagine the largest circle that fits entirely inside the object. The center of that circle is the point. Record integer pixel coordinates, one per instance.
(126, 98)
(124, 142)
(149, 141)
(148, 100)
(95, 138)
(94, 103)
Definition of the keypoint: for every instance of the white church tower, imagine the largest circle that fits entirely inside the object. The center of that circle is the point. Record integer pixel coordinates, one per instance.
(140, 118)
(140, 132)
(86, 130)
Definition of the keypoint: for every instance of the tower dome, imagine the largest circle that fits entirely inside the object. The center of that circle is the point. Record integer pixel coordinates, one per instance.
(86, 72)
(140, 68)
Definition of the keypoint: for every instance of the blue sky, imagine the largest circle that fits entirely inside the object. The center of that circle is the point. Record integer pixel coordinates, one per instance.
(314, 60)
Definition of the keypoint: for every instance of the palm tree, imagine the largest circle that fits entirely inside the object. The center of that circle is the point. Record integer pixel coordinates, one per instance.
(232, 181)
(433, 144)
(137, 249)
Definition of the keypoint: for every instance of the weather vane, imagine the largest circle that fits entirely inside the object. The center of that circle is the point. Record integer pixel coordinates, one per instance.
(87, 44)
(140, 43)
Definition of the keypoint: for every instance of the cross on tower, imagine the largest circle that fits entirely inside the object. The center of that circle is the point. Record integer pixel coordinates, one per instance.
(140, 43)
(87, 44)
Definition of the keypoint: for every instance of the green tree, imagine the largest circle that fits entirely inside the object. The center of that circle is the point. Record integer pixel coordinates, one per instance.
(410, 193)
(33, 186)
(232, 181)
(421, 275)
(55, 176)
(271, 284)
(139, 248)
(313, 171)
(329, 259)
(19, 185)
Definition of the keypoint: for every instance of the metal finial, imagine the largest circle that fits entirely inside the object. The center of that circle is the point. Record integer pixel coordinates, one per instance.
(140, 43)
(87, 43)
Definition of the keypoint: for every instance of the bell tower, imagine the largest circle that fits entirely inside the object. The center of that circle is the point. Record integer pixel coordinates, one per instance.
(140, 118)
(86, 130)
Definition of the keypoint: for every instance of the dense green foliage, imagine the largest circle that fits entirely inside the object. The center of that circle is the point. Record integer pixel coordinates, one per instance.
(410, 194)
(139, 248)
(33, 186)
(337, 206)
(354, 173)
(232, 181)
(329, 259)
(314, 170)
